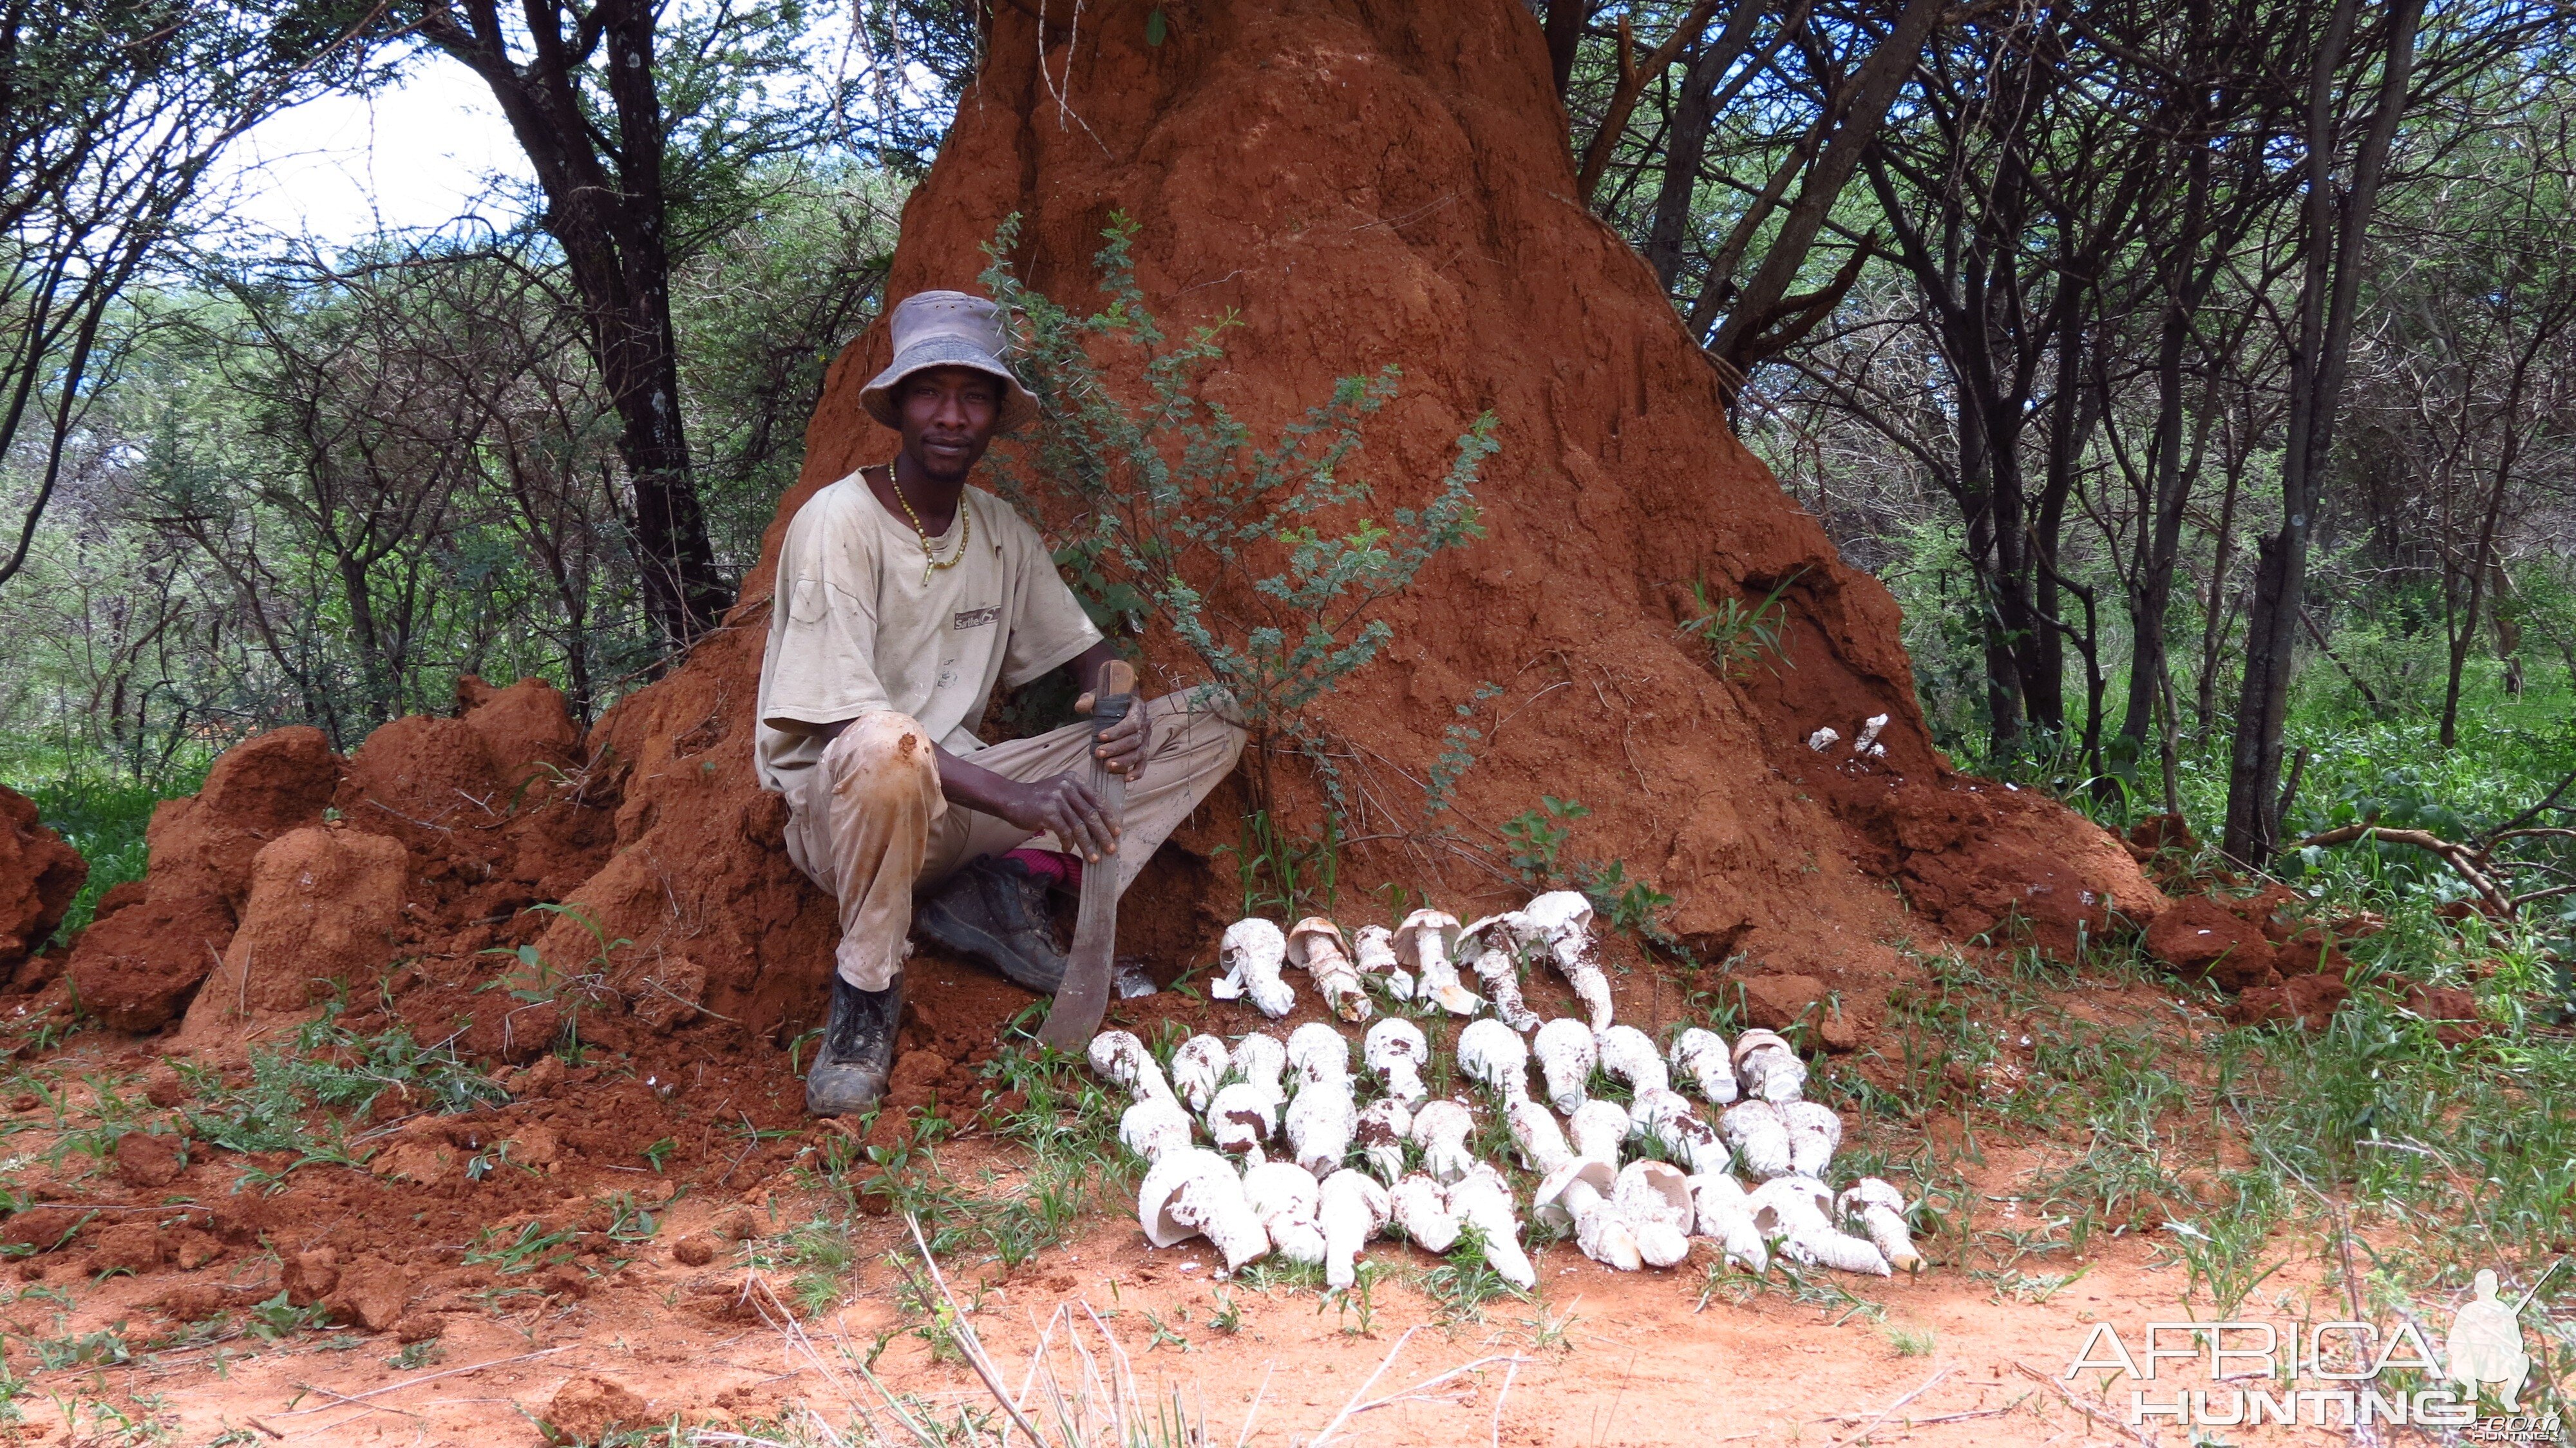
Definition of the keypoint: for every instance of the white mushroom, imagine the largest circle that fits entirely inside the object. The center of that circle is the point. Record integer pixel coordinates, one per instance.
(1655, 1198)
(1243, 1118)
(1252, 951)
(1198, 1068)
(1566, 1056)
(1667, 1118)
(1491, 1053)
(1726, 1213)
(1564, 920)
(1283, 1196)
(1318, 1054)
(1535, 1133)
(1194, 1193)
(1260, 1060)
(1760, 1136)
(1315, 945)
(1576, 1193)
(1421, 1208)
(1373, 951)
(1482, 1200)
(1815, 1133)
(1702, 1058)
(1354, 1209)
(1796, 1213)
(1493, 945)
(1118, 1057)
(1440, 1128)
(1867, 740)
(1380, 1135)
(1321, 1120)
(1823, 739)
(1766, 1067)
(1395, 1050)
(1153, 1127)
(1428, 939)
(1598, 1127)
(1628, 1055)
(1880, 1210)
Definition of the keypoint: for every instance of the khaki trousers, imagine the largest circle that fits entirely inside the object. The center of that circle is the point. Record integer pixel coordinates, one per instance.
(870, 825)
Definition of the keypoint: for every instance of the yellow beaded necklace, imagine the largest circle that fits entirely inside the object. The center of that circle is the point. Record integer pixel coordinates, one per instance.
(931, 562)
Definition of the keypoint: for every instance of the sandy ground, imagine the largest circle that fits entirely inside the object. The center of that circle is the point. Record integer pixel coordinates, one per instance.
(1594, 1357)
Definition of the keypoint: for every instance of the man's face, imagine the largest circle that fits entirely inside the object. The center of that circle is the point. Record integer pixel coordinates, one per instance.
(948, 418)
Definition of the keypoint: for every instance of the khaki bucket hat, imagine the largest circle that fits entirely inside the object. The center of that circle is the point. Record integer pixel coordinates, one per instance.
(947, 329)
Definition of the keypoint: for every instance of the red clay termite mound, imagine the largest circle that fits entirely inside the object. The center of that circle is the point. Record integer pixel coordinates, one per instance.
(39, 875)
(1365, 185)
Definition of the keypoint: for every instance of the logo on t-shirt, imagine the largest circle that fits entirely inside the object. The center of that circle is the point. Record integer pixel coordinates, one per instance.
(975, 617)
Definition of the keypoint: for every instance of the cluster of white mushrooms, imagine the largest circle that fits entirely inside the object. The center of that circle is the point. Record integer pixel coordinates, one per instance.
(1608, 1172)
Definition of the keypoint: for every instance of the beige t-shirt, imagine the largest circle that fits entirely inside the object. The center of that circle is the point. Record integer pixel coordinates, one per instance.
(855, 628)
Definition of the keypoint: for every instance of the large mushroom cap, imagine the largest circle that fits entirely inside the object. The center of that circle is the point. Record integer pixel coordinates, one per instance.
(1559, 911)
(1279, 1186)
(1871, 1192)
(1303, 936)
(1260, 1058)
(1759, 1040)
(1507, 930)
(1252, 935)
(1548, 1203)
(1394, 1039)
(1318, 1051)
(1347, 1185)
(1439, 924)
(1655, 1191)
(1156, 1197)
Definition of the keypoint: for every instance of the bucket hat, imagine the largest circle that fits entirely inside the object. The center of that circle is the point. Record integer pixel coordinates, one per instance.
(947, 329)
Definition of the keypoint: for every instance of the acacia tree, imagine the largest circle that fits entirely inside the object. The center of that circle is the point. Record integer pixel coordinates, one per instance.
(112, 114)
(643, 124)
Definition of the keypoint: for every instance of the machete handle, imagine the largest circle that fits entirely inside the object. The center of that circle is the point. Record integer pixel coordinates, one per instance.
(1112, 696)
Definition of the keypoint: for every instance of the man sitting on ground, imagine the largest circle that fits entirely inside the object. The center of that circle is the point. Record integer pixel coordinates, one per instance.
(903, 596)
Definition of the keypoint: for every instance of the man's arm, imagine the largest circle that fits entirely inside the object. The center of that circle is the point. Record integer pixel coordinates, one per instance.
(1064, 805)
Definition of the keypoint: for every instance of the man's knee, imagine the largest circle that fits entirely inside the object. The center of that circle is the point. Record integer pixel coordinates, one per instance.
(1206, 720)
(881, 751)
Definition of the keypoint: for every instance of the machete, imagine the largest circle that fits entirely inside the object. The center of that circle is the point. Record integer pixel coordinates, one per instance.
(1084, 996)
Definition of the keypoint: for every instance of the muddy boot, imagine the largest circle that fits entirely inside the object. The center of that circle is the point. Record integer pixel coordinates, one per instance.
(857, 1051)
(994, 912)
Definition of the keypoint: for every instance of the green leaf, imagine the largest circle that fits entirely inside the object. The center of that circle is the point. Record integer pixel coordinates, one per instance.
(1156, 28)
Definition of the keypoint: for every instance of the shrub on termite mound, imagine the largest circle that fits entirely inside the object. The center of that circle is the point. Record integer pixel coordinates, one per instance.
(1160, 485)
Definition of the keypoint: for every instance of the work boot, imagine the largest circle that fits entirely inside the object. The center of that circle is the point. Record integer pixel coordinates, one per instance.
(994, 912)
(856, 1056)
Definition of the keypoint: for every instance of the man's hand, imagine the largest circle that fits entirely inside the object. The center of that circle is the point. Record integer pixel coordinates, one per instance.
(1065, 807)
(1122, 749)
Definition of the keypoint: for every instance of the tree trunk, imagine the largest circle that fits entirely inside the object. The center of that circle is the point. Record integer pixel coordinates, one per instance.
(2328, 292)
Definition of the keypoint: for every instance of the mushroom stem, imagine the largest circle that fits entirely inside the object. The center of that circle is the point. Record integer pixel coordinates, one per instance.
(1542, 1146)
(1815, 1133)
(1760, 1137)
(1396, 1051)
(1880, 1210)
(1352, 1210)
(1316, 944)
(1701, 1055)
(1283, 1197)
(1564, 919)
(1440, 1128)
(1252, 952)
(1198, 1068)
(1724, 1212)
(1566, 1055)
(1484, 1202)
(1425, 938)
(1373, 951)
(1768, 1069)
(1501, 974)
(1421, 1208)
(1793, 1212)
(1628, 1055)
